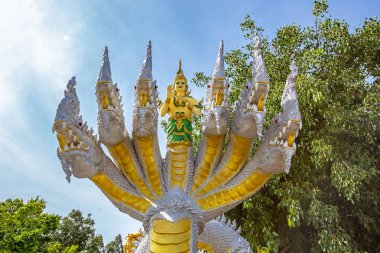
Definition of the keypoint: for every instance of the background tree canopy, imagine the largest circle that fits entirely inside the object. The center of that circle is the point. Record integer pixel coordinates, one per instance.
(329, 202)
(25, 227)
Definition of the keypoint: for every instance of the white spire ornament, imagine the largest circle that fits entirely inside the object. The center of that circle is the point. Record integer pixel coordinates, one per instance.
(68, 108)
(105, 69)
(146, 69)
(259, 72)
(290, 92)
(219, 72)
(289, 98)
(217, 93)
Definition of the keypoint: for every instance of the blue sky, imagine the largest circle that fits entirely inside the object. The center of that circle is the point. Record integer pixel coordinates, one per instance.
(44, 43)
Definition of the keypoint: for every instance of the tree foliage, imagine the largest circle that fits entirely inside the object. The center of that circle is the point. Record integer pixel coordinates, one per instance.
(116, 246)
(329, 202)
(78, 230)
(25, 227)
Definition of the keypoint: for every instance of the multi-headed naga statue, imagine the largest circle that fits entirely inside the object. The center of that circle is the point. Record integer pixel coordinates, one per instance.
(180, 199)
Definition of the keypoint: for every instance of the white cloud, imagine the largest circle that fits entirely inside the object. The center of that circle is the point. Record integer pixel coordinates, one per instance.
(36, 63)
(34, 56)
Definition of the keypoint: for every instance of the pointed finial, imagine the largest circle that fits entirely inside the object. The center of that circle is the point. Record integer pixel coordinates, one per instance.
(290, 93)
(105, 69)
(259, 71)
(71, 84)
(293, 70)
(146, 69)
(68, 108)
(180, 74)
(219, 72)
(257, 40)
(179, 66)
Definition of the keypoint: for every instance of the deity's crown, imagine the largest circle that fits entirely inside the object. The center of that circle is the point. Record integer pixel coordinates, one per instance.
(180, 74)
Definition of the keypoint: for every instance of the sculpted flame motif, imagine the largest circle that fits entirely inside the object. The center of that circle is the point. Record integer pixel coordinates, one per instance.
(180, 199)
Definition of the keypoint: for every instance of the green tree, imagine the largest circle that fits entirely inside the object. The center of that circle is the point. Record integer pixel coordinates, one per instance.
(329, 202)
(74, 229)
(115, 246)
(24, 227)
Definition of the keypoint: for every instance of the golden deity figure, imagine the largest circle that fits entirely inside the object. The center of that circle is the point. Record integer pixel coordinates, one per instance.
(180, 106)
